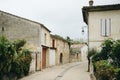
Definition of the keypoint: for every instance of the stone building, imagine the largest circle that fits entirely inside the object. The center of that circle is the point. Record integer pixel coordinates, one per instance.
(75, 52)
(103, 22)
(60, 50)
(36, 35)
(84, 52)
(78, 52)
(46, 49)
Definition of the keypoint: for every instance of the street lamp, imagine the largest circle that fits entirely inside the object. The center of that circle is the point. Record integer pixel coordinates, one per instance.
(83, 30)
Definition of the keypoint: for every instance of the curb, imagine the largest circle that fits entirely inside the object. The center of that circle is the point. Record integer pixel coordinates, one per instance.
(92, 76)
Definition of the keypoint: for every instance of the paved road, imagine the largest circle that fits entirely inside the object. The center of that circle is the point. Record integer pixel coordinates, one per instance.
(70, 71)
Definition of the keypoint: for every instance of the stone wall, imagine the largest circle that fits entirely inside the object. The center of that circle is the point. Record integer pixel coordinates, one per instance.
(62, 48)
(18, 28)
(14, 28)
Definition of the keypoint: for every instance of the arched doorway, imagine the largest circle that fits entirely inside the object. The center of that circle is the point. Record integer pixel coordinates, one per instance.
(77, 55)
(61, 58)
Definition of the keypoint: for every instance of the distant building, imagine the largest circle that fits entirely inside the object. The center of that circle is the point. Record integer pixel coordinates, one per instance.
(78, 52)
(103, 22)
(59, 51)
(84, 52)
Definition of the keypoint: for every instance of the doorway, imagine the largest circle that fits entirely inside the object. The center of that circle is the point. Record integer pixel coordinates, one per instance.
(44, 58)
(61, 58)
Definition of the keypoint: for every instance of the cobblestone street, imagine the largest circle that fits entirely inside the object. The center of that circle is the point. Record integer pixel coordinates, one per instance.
(70, 71)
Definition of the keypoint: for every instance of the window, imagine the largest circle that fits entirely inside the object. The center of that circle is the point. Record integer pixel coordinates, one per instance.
(53, 43)
(105, 27)
(2, 28)
(45, 35)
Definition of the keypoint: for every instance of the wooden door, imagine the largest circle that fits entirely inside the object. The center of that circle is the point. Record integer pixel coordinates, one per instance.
(43, 58)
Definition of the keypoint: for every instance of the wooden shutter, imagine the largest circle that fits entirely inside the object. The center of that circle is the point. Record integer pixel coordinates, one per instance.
(108, 28)
(103, 27)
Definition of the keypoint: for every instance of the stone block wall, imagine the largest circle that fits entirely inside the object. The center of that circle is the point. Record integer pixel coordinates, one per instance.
(14, 27)
(62, 48)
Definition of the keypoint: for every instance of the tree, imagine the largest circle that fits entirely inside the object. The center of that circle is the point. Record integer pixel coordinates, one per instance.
(13, 58)
(69, 41)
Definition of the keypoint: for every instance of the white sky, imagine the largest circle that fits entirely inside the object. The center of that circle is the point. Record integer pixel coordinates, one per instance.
(62, 17)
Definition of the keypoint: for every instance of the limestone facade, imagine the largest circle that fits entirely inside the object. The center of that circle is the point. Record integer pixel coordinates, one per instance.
(61, 48)
(103, 22)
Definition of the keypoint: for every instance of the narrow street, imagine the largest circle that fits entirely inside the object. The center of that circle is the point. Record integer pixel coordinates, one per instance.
(70, 71)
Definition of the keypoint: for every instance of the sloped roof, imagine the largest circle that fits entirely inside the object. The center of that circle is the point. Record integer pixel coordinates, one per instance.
(58, 37)
(87, 9)
(77, 45)
(25, 19)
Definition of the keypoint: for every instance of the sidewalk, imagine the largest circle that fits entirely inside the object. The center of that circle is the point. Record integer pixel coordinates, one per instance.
(69, 71)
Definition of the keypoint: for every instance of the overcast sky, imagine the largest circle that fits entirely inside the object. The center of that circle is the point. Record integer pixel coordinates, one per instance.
(62, 17)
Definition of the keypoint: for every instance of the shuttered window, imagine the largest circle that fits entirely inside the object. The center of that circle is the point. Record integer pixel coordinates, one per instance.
(108, 27)
(105, 27)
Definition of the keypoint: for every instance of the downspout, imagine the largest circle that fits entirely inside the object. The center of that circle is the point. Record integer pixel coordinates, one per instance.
(88, 43)
(88, 51)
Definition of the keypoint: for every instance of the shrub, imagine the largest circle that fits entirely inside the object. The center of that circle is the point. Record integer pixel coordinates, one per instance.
(19, 44)
(21, 65)
(104, 70)
(117, 72)
(115, 55)
(91, 53)
(6, 55)
(107, 46)
(14, 59)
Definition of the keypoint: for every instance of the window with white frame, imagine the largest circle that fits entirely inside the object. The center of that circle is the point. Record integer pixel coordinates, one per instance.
(105, 27)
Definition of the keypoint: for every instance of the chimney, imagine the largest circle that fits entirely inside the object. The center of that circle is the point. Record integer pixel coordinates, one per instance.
(91, 3)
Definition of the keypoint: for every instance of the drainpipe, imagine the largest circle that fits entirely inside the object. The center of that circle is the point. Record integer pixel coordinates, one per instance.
(88, 45)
